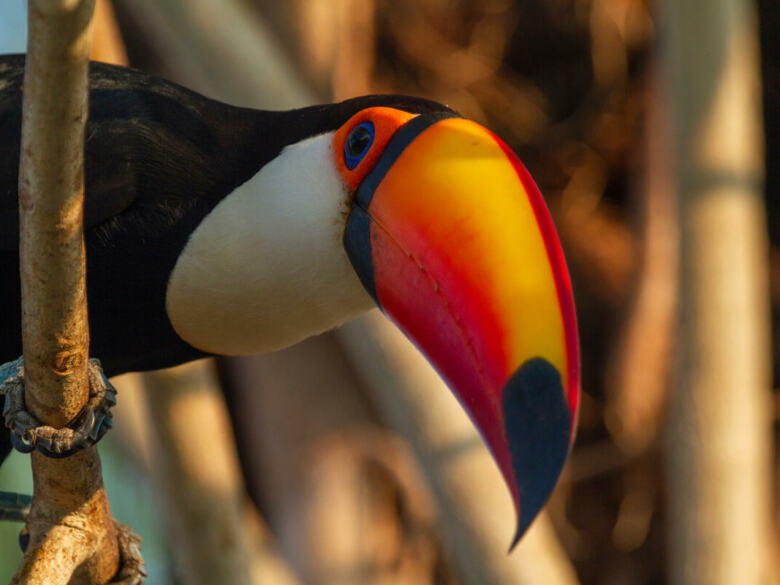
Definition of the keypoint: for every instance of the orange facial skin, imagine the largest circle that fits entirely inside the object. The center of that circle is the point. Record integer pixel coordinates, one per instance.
(386, 122)
(465, 260)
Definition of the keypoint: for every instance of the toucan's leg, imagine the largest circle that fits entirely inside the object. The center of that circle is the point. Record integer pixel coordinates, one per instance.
(27, 433)
(14, 507)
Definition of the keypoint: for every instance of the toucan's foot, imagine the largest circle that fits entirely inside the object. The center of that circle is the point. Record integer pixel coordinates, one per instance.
(132, 568)
(27, 433)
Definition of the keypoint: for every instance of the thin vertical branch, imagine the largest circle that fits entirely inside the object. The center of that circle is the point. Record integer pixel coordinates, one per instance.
(71, 531)
(220, 47)
(718, 449)
(107, 44)
(354, 59)
(196, 470)
(51, 195)
(639, 375)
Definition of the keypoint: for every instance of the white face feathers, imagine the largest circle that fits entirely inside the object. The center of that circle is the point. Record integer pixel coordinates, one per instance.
(267, 267)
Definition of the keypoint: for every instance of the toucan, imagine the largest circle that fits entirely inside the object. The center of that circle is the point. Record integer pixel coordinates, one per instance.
(219, 230)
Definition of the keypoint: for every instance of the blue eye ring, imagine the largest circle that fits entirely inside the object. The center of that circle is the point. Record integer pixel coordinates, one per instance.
(358, 143)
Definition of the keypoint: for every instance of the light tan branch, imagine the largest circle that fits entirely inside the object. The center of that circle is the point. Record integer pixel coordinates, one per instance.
(51, 193)
(196, 469)
(639, 374)
(718, 444)
(71, 531)
(219, 47)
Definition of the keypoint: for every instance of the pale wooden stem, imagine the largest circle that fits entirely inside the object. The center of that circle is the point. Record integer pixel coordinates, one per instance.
(71, 531)
(219, 47)
(196, 470)
(639, 373)
(354, 60)
(107, 44)
(718, 444)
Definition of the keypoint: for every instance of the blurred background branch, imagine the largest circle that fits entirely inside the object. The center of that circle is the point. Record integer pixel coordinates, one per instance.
(719, 441)
(214, 532)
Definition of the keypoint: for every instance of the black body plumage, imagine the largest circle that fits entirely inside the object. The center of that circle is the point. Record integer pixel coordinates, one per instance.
(158, 159)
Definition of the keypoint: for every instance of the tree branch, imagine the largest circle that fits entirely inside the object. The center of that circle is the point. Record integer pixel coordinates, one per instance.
(197, 472)
(718, 444)
(71, 531)
(51, 193)
(219, 47)
(638, 374)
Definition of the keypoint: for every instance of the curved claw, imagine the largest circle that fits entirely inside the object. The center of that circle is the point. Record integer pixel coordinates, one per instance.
(27, 433)
(20, 445)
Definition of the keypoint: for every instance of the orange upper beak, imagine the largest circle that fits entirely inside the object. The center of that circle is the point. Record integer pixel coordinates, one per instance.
(450, 235)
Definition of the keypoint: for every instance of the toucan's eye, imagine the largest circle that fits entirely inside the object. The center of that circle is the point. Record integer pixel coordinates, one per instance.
(357, 144)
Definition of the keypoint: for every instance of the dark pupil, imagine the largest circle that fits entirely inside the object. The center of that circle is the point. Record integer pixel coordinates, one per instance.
(358, 141)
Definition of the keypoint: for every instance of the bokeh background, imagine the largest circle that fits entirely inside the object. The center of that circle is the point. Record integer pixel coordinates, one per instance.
(355, 474)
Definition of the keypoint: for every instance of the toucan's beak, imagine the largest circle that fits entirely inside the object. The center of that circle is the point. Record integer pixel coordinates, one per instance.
(452, 238)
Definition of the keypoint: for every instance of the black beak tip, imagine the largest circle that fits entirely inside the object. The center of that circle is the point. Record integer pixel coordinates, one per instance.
(537, 421)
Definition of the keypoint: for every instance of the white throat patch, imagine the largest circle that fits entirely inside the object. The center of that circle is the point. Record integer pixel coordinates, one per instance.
(267, 267)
